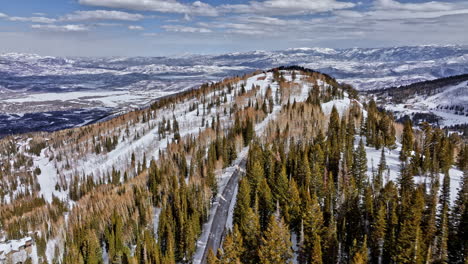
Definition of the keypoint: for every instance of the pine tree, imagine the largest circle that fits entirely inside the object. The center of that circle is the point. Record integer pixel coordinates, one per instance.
(462, 161)
(406, 141)
(458, 228)
(442, 225)
(242, 203)
(90, 248)
(276, 243)
(280, 186)
(265, 203)
(360, 253)
(381, 169)
(360, 166)
(294, 206)
(212, 258)
(232, 248)
(409, 241)
(378, 234)
(316, 253)
(334, 142)
(313, 228)
(303, 174)
(255, 176)
(250, 231)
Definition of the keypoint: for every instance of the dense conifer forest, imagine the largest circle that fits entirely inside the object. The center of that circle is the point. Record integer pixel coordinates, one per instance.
(330, 177)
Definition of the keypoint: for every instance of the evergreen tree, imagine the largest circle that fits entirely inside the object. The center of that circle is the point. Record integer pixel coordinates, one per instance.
(442, 225)
(212, 258)
(250, 231)
(90, 248)
(294, 206)
(316, 253)
(381, 169)
(265, 203)
(458, 232)
(360, 253)
(232, 248)
(334, 142)
(407, 141)
(313, 228)
(378, 234)
(242, 203)
(360, 166)
(276, 243)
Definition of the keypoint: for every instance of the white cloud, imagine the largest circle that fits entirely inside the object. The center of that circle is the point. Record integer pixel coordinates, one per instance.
(150, 34)
(288, 7)
(164, 6)
(61, 28)
(426, 6)
(133, 27)
(184, 29)
(44, 20)
(101, 15)
(348, 13)
(35, 19)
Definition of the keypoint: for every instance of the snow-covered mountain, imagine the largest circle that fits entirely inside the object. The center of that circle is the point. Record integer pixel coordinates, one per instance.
(112, 85)
(442, 102)
(366, 68)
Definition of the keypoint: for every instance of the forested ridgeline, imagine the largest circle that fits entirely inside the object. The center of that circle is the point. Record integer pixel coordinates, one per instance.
(426, 88)
(138, 188)
(309, 193)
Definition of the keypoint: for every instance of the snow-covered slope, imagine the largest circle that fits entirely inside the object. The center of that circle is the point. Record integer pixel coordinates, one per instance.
(116, 84)
(443, 105)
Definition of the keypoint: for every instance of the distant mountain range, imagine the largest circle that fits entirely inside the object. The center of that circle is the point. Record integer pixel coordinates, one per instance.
(76, 86)
(365, 68)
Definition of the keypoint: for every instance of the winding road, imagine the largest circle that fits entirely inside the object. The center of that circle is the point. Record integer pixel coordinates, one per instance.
(218, 226)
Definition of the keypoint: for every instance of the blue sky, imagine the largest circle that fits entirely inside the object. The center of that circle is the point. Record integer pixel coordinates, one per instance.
(170, 27)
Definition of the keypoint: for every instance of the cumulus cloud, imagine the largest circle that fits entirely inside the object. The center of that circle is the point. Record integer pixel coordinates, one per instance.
(44, 20)
(102, 15)
(133, 27)
(164, 6)
(35, 19)
(61, 28)
(394, 10)
(425, 6)
(288, 7)
(185, 29)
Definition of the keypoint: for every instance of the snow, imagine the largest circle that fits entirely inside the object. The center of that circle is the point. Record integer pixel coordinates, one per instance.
(222, 181)
(11, 246)
(393, 163)
(48, 178)
(456, 177)
(156, 214)
(392, 158)
(50, 249)
(341, 105)
(107, 98)
(456, 95)
(229, 222)
(189, 124)
(295, 247)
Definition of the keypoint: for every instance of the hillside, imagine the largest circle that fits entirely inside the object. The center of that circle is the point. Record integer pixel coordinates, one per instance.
(43, 93)
(287, 155)
(442, 102)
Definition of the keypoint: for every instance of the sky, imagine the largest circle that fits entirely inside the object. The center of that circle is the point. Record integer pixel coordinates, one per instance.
(175, 27)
